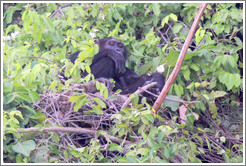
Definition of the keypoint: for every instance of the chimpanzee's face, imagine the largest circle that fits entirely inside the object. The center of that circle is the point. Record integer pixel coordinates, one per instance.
(116, 45)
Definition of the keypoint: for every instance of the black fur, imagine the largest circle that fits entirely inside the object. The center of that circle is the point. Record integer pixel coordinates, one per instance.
(109, 62)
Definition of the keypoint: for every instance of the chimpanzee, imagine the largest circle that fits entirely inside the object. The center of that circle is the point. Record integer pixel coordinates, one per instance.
(109, 62)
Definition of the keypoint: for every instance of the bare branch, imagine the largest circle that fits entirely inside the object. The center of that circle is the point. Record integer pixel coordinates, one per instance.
(59, 10)
(34, 57)
(73, 130)
(40, 7)
(177, 67)
(137, 92)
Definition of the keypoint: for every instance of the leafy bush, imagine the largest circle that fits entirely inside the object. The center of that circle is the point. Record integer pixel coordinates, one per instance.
(38, 39)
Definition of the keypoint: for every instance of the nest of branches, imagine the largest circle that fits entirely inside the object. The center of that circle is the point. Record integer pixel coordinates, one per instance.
(59, 111)
(82, 126)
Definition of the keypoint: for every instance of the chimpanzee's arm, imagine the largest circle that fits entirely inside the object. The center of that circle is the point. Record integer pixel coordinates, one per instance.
(119, 60)
(74, 56)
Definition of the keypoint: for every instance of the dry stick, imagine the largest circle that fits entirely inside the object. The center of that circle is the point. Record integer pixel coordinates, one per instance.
(40, 7)
(34, 57)
(137, 92)
(73, 130)
(59, 10)
(177, 67)
(170, 98)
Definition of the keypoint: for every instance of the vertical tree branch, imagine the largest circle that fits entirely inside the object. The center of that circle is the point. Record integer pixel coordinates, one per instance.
(177, 67)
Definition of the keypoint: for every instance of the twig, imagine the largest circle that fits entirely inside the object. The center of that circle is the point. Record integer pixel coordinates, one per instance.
(177, 67)
(162, 36)
(176, 36)
(200, 44)
(59, 10)
(41, 58)
(137, 92)
(186, 27)
(170, 99)
(72, 130)
(40, 7)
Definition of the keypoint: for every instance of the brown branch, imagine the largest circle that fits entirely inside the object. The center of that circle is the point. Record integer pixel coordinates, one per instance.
(41, 58)
(170, 99)
(73, 130)
(59, 10)
(40, 7)
(177, 67)
(137, 92)
(162, 36)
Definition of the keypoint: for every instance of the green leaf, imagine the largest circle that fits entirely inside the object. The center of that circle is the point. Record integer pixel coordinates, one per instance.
(20, 89)
(131, 159)
(53, 84)
(218, 28)
(73, 99)
(191, 86)
(208, 144)
(194, 67)
(24, 148)
(135, 100)
(190, 55)
(113, 147)
(237, 80)
(122, 159)
(9, 98)
(238, 41)
(145, 68)
(229, 79)
(40, 155)
(100, 102)
(231, 61)
(150, 117)
(117, 15)
(174, 149)
(19, 158)
(97, 109)
(200, 33)
(105, 93)
(30, 109)
(39, 116)
(143, 151)
(177, 27)
(9, 14)
(124, 126)
(39, 35)
(156, 9)
(178, 89)
(213, 110)
(79, 101)
(172, 57)
(166, 152)
(216, 94)
(174, 17)
(144, 120)
(164, 21)
(10, 28)
(34, 96)
(49, 25)
(24, 15)
(170, 102)
(25, 97)
(186, 74)
(223, 139)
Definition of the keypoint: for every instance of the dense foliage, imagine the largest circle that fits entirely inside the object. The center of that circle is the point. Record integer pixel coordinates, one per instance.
(39, 37)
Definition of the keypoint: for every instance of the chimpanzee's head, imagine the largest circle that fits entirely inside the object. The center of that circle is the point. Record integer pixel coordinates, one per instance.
(112, 44)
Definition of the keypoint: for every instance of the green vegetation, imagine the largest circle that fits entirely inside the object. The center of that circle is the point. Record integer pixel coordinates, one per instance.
(37, 41)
